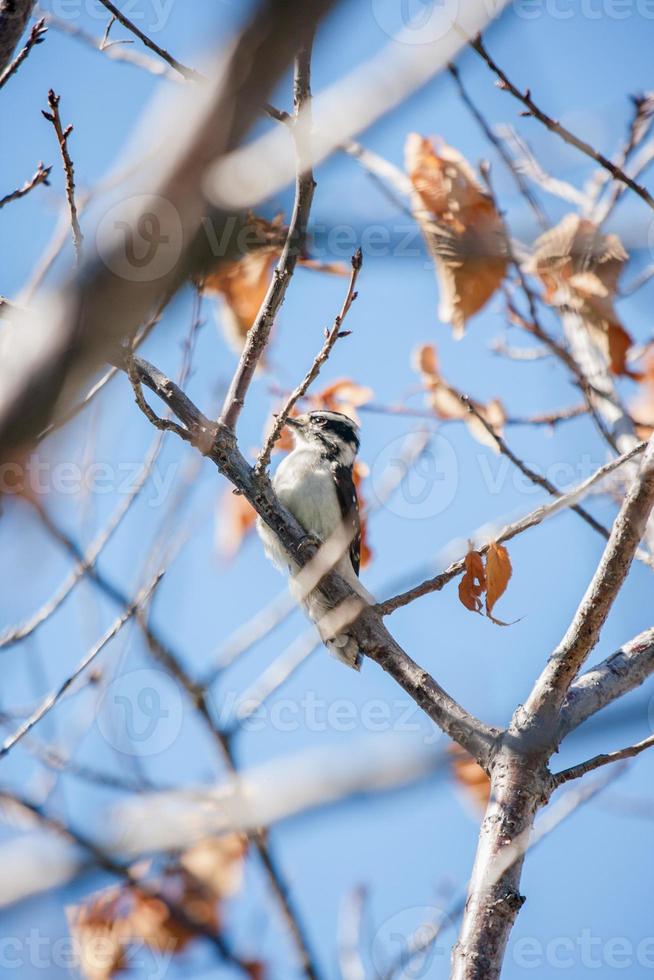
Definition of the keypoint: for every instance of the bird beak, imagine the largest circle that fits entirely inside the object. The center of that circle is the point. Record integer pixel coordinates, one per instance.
(294, 423)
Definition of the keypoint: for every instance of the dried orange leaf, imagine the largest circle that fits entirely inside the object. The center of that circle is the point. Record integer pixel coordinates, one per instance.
(462, 228)
(469, 775)
(498, 573)
(235, 518)
(473, 582)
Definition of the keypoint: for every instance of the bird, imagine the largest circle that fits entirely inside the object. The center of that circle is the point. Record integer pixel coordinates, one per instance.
(315, 483)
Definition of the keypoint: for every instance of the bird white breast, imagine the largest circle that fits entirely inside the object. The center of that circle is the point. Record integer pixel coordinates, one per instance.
(304, 484)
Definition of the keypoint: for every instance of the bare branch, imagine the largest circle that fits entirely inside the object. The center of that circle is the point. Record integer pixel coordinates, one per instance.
(532, 519)
(62, 138)
(40, 177)
(51, 700)
(521, 183)
(116, 52)
(331, 337)
(14, 15)
(37, 36)
(552, 686)
(622, 672)
(605, 759)
(556, 127)
(259, 332)
(183, 70)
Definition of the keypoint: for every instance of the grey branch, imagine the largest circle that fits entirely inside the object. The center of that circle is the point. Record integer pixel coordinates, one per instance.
(37, 36)
(295, 244)
(622, 672)
(40, 177)
(604, 759)
(313, 372)
(14, 15)
(582, 635)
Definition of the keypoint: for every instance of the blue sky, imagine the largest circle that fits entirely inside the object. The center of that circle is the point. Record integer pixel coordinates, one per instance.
(594, 872)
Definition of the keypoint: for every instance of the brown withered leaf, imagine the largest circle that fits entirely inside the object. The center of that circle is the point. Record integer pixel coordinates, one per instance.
(579, 267)
(343, 395)
(473, 582)
(642, 407)
(446, 400)
(498, 574)
(242, 284)
(98, 927)
(469, 775)
(462, 228)
(235, 518)
(490, 577)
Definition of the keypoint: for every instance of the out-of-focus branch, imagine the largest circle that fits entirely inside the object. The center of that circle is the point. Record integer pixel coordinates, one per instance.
(622, 672)
(294, 246)
(62, 138)
(14, 15)
(40, 177)
(45, 359)
(330, 339)
(556, 127)
(37, 36)
(51, 700)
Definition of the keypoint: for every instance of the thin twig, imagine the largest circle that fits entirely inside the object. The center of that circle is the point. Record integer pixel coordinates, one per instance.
(536, 478)
(294, 246)
(51, 700)
(117, 53)
(186, 72)
(62, 138)
(556, 127)
(330, 339)
(37, 36)
(535, 517)
(521, 183)
(604, 759)
(40, 177)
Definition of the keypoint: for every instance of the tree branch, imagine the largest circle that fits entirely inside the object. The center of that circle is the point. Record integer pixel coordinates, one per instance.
(437, 582)
(330, 339)
(604, 759)
(556, 127)
(294, 246)
(62, 138)
(14, 15)
(37, 36)
(186, 72)
(551, 688)
(40, 177)
(622, 672)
